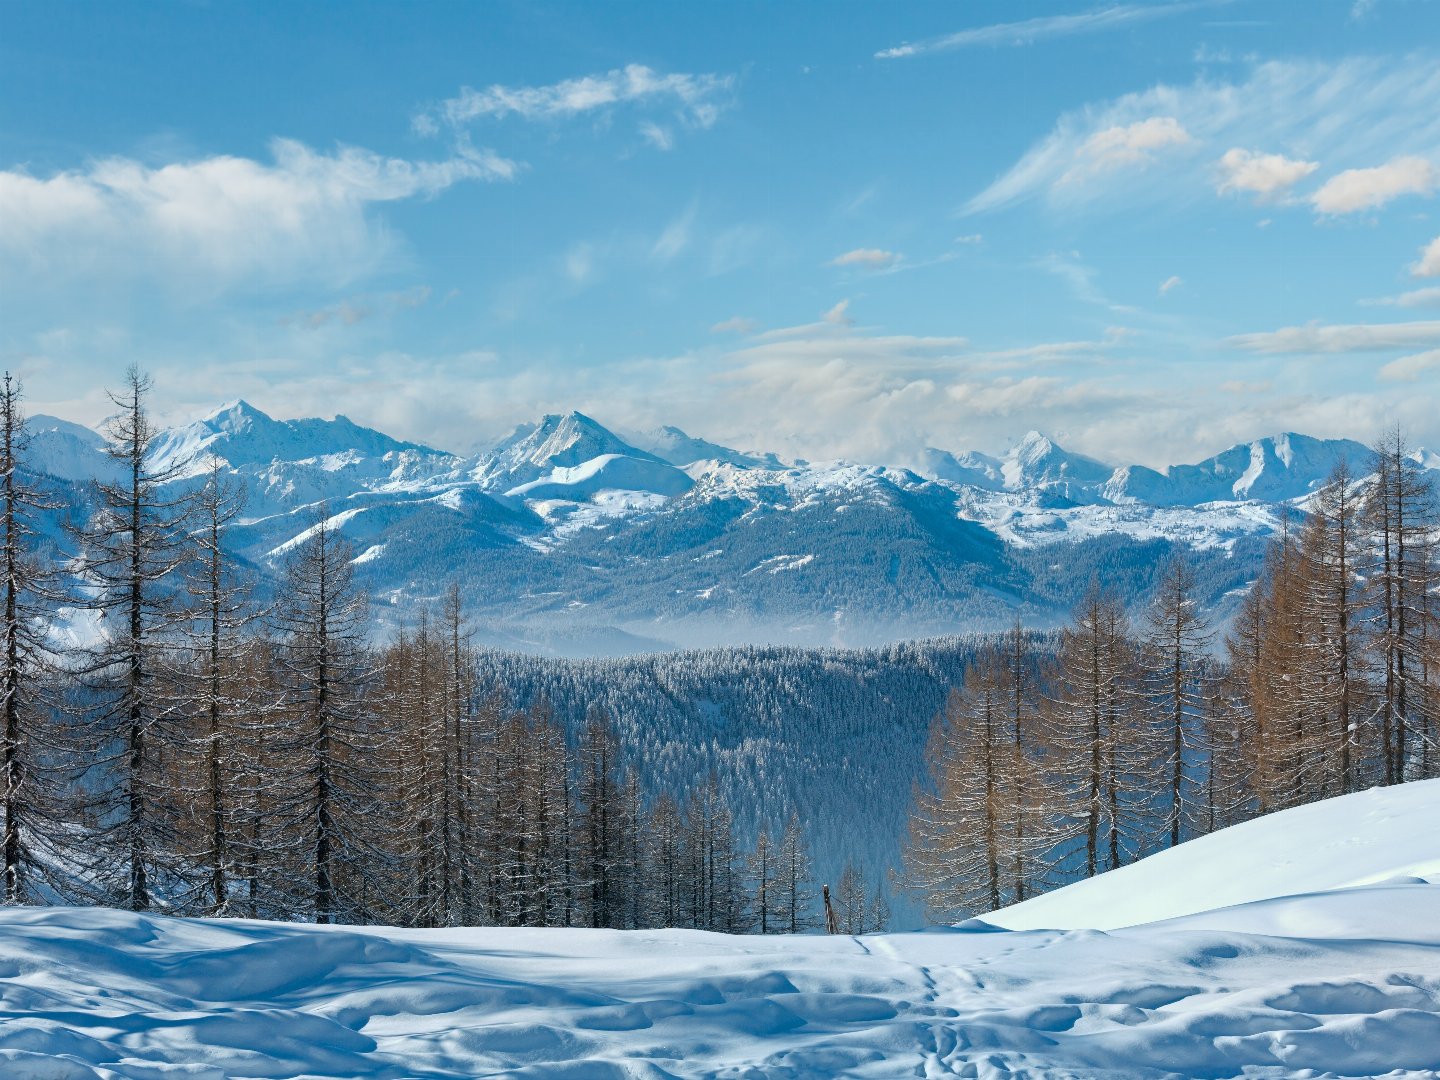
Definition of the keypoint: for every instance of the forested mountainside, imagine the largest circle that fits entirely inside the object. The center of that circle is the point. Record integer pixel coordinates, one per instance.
(567, 538)
(817, 732)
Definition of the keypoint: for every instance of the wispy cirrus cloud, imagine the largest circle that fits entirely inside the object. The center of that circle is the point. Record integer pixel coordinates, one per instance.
(217, 222)
(867, 258)
(357, 309)
(1415, 298)
(736, 324)
(1410, 368)
(1347, 114)
(694, 99)
(1340, 338)
(1042, 28)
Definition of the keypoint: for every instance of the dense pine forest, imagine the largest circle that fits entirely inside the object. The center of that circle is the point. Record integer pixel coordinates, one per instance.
(188, 747)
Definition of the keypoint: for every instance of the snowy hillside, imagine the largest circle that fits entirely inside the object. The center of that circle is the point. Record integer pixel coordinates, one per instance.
(1367, 838)
(1337, 982)
(569, 538)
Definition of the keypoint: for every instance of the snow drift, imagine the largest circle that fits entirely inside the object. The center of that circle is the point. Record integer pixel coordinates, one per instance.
(1366, 838)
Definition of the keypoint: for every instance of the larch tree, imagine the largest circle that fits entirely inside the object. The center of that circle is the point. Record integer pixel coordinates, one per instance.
(1174, 651)
(131, 552)
(30, 588)
(957, 857)
(1102, 746)
(794, 892)
(213, 683)
(321, 790)
(1400, 514)
(1330, 633)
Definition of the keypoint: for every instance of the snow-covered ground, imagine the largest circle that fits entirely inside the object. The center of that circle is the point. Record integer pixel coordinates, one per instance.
(1333, 982)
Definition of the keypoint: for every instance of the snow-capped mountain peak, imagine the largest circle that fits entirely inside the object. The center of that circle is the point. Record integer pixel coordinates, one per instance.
(1037, 461)
(557, 441)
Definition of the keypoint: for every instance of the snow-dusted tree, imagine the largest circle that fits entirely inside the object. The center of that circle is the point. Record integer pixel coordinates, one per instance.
(24, 768)
(321, 788)
(665, 860)
(879, 916)
(852, 901)
(213, 691)
(1400, 514)
(601, 817)
(130, 555)
(711, 879)
(1174, 654)
(794, 892)
(457, 766)
(763, 870)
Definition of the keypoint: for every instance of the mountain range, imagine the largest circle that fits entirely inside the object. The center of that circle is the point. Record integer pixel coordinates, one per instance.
(566, 537)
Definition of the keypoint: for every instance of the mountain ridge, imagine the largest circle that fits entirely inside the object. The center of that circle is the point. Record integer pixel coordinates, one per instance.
(569, 537)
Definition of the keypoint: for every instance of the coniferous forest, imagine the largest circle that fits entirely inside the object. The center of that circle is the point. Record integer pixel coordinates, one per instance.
(174, 743)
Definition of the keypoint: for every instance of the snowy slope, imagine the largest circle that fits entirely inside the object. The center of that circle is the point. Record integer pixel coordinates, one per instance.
(1369, 837)
(1337, 984)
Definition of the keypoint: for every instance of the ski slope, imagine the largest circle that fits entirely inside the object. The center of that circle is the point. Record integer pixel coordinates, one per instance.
(1333, 982)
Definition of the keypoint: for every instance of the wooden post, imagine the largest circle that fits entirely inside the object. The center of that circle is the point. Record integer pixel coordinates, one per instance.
(832, 924)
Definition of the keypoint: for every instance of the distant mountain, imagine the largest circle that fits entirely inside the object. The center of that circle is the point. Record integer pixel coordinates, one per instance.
(674, 446)
(568, 538)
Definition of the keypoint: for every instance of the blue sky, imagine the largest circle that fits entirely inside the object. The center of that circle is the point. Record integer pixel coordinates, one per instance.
(824, 229)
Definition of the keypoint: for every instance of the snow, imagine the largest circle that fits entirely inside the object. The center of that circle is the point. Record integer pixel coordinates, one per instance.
(1335, 972)
(1366, 838)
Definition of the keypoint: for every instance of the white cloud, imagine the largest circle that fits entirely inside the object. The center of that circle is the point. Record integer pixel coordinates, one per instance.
(219, 221)
(675, 237)
(1346, 113)
(1429, 264)
(1038, 29)
(736, 324)
(1128, 144)
(839, 315)
(1266, 175)
(580, 263)
(1410, 368)
(970, 238)
(1429, 297)
(1172, 282)
(657, 136)
(1317, 338)
(697, 99)
(1368, 189)
(870, 258)
(359, 308)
